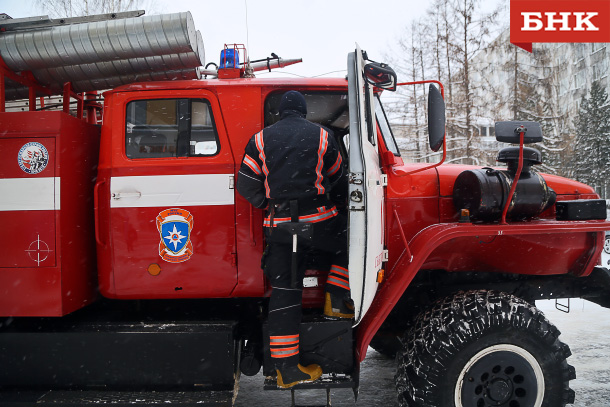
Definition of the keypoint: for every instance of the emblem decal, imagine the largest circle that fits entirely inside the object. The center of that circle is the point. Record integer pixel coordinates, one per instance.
(175, 226)
(33, 157)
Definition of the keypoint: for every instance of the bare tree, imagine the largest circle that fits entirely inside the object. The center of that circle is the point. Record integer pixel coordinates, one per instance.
(408, 104)
(75, 8)
(472, 35)
(440, 46)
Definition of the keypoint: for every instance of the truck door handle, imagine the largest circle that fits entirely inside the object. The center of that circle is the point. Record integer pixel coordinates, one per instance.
(119, 195)
(96, 206)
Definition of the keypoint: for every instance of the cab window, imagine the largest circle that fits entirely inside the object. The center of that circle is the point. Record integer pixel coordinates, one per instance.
(386, 130)
(158, 128)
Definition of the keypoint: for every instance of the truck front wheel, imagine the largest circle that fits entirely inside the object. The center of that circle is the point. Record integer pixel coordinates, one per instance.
(483, 349)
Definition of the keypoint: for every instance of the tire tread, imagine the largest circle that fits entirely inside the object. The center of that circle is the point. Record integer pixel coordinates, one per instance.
(440, 332)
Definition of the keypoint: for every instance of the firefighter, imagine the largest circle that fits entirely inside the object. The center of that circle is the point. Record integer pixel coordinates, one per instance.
(295, 170)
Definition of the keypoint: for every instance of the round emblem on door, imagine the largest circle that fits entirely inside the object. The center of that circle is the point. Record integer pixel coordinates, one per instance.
(33, 157)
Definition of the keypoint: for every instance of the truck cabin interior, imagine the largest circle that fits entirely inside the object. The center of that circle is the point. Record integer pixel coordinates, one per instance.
(331, 110)
(327, 109)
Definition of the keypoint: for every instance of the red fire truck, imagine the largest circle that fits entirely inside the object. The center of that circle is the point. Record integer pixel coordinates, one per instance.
(130, 268)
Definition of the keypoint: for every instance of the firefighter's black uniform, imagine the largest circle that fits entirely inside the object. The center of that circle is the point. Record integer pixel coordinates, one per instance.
(294, 168)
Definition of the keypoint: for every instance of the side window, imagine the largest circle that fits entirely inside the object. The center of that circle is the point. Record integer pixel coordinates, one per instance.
(159, 128)
(386, 130)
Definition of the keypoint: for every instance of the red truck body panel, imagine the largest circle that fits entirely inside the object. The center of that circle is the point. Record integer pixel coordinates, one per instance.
(426, 198)
(48, 262)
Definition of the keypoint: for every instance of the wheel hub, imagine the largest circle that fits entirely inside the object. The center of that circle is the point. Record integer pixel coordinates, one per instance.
(500, 379)
(499, 390)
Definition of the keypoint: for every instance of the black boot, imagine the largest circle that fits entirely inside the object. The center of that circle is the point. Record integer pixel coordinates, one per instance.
(338, 307)
(288, 376)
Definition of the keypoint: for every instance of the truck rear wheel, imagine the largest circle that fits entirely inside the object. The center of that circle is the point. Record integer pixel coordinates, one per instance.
(483, 349)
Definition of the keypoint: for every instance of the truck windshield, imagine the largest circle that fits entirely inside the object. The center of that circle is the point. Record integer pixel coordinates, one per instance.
(384, 126)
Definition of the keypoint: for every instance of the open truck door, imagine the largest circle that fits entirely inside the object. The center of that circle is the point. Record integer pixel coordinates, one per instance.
(366, 193)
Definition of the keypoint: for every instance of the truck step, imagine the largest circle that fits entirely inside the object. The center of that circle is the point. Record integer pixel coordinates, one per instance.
(84, 398)
(326, 382)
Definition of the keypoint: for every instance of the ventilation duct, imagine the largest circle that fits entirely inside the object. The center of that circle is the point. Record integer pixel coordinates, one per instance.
(103, 54)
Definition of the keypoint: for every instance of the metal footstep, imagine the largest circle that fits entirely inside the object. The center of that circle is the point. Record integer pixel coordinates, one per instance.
(310, 405)
(327, 382)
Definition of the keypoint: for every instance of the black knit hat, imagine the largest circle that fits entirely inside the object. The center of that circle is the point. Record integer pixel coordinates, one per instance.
(293, 100)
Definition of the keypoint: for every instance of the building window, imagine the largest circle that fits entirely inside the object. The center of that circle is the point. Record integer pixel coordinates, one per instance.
(564, 86)
(580, 79)
(596, 46)
(600, 69)
(579, 50)
(487, 133)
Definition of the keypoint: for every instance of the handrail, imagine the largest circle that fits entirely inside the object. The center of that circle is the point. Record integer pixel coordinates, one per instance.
(96, 222)
(24, 78)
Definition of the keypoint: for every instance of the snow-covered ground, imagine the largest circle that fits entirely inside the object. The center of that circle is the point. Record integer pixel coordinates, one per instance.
(586, 329)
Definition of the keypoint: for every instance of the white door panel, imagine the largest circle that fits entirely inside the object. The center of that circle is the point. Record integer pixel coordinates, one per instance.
(172, 190)
(366, 216)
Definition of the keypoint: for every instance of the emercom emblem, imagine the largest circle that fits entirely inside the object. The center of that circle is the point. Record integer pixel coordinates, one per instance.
(175, 226)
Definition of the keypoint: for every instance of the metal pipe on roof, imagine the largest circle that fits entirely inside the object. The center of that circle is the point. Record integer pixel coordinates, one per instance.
(200, 48)
(93, 42)
(272, 63)
(121, 67)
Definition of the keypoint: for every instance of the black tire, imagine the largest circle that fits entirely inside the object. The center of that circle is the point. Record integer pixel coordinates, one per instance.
(386, 343)
(482, 349)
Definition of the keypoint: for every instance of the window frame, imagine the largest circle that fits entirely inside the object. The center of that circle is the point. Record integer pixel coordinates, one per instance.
(381, 129)
(184, 127)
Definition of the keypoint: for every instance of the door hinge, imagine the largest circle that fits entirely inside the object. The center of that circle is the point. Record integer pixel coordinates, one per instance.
(384, 180)
(231, 181)
(384, 256)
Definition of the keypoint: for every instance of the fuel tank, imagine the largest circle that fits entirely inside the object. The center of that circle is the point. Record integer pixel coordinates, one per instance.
(484, 191)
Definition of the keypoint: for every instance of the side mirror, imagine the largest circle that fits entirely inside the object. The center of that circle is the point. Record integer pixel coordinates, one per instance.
(509, 132)
(436, 118)
(380, 75)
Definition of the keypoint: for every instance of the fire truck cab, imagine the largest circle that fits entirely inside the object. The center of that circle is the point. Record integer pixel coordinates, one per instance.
(131, 263)
(170, 223)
